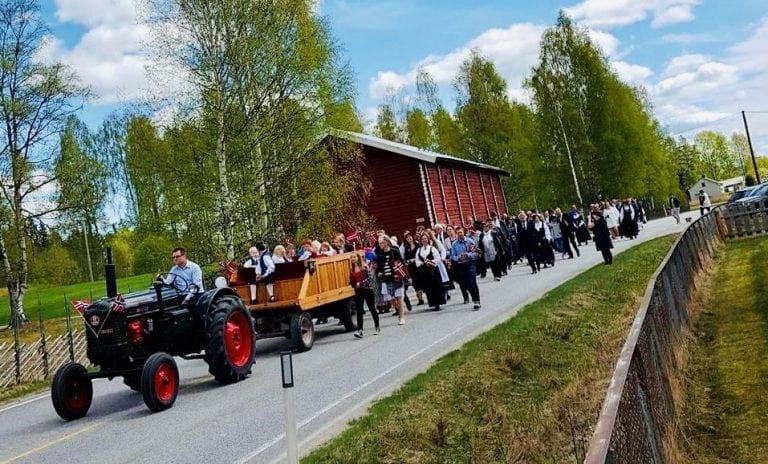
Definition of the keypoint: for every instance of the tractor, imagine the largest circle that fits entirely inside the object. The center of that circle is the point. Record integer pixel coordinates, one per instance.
(136, 336)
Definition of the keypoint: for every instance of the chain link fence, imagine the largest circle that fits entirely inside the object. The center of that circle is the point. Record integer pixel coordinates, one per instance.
(637, 421)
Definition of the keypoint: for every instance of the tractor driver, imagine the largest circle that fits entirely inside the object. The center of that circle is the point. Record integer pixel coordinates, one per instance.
(191, 280)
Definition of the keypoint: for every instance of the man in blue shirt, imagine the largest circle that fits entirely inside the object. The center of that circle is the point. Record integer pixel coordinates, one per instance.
(185, 276)
(464, 252)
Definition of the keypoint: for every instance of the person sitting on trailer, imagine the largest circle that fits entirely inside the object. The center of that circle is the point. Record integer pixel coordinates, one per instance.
(265, 271)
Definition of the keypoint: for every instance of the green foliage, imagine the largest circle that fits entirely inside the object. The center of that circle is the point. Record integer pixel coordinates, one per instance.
(54, 265)
(418, 129)
(36, 99)
(386, 124)
(717, 160)
(121, 243)
(448, 133)
(152, 254)
(596, 135)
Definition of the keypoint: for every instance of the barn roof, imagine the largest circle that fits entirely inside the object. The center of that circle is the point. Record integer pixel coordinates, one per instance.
(409, 151)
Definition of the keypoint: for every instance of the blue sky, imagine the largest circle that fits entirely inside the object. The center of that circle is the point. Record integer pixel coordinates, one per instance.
(700, 61)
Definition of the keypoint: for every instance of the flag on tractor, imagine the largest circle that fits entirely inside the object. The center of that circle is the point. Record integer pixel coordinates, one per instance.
(118, 304)
(80, 305)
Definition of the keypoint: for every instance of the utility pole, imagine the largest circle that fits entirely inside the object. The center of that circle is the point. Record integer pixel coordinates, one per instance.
(751, 150)
(88, 251)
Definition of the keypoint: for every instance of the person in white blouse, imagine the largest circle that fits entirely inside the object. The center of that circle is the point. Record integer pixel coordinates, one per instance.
(428, 261)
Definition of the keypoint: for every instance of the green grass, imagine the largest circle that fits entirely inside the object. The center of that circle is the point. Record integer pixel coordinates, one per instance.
(50, 298)
(724, 418)
(527, 391)
(14, 392)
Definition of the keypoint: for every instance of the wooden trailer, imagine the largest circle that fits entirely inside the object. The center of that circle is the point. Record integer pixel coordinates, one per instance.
(303, 290)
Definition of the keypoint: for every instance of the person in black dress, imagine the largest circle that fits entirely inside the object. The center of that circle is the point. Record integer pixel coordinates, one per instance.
(601, 235)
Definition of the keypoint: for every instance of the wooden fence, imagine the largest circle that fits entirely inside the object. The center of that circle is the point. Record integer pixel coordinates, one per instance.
(40, 359)
(740, 221)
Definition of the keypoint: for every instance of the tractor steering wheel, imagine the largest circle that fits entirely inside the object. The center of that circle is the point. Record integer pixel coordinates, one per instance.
(163, 276)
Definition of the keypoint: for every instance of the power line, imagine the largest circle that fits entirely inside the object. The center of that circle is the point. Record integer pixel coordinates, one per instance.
(709, 124)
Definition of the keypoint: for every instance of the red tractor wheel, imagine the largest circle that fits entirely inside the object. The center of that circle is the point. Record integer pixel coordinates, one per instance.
(229, 350)
(71, 393)
(160, 382)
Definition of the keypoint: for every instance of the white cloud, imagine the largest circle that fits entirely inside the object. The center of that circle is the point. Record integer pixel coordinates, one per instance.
(513, 50)
(698, 91)
(608, 43)
(110, 56)
(750, 54)
(632, 73)
(97, 12)
(685, 63)
(688, 39)
(614, 13)
(709, 76)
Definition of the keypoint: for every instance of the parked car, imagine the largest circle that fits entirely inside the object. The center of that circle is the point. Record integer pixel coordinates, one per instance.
(739, 194)
(757, 198)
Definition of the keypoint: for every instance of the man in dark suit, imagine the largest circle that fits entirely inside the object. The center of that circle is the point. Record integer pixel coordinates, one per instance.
(526, 238)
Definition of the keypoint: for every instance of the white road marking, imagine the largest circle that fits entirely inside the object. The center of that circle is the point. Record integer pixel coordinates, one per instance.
(31, 400)
(330, 406)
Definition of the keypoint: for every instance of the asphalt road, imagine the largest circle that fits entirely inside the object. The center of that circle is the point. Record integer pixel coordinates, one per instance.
(335, 382)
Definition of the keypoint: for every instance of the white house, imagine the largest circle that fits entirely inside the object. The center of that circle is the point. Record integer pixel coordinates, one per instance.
(715, 187)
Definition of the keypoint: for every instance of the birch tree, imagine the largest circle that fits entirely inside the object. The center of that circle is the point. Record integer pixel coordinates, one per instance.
(35, 101)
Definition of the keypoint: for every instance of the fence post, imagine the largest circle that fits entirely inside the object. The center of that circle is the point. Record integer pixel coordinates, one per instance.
(17, 350)
(70, 342)
(43, 344)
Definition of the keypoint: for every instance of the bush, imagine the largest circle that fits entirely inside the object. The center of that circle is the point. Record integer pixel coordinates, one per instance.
(152, 255)
(53, 265)
(122, 251)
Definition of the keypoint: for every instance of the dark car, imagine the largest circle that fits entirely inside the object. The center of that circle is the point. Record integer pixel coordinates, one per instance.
(739, 194)
(757, 198)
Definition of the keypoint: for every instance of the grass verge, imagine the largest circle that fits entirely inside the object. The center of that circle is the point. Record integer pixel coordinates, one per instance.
(724, 417)
(529, 390)
(9, 394)
(50, 298)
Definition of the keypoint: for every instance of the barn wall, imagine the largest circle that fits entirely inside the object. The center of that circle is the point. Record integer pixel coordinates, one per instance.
(397, 202)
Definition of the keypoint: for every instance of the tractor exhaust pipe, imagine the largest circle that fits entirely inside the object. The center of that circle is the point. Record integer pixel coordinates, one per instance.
(110, 275)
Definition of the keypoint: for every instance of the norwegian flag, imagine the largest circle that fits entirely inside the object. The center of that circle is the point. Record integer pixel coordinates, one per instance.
(352, 235)
(118, 304)
(373, 237)
(80, 305)
(400, 270)
(288, 242)
(419, 230)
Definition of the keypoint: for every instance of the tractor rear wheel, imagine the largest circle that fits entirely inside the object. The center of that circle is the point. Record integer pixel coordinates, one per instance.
(347, 314)
(302, 331)
(160, 382)
(229, 349)
(71, 393)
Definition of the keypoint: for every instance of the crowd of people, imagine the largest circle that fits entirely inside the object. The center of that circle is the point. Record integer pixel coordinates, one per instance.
(434, 261)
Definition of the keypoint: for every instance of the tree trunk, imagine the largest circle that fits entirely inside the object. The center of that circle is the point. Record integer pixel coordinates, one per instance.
(570, 158)
(227, 223)
(262, 196)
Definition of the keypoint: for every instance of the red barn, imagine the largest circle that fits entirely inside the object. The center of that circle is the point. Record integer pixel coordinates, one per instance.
(413, 187)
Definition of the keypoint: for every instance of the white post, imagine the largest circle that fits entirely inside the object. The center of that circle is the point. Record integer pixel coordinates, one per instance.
(291, 439)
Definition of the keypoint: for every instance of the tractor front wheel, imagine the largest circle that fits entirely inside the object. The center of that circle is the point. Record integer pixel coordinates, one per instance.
(71, 393)
(229, 350)
(160, 382)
